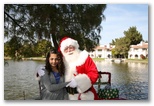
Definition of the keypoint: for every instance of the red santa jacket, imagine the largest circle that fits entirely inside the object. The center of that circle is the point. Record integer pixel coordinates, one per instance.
(86, 74)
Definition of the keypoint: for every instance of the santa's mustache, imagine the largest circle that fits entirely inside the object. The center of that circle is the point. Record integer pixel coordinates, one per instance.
(69, 53)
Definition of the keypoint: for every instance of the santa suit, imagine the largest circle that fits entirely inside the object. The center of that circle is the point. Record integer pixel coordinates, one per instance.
(85, 73)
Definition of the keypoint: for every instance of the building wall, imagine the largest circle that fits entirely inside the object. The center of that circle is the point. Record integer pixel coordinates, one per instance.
(134, 52)
(101, 52)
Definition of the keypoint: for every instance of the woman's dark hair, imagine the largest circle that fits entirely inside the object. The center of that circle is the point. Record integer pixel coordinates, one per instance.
(60, 66)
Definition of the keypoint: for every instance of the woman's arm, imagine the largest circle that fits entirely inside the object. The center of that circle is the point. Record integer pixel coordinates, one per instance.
(52, 86)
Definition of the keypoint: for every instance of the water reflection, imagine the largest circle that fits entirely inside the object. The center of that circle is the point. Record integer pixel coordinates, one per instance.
(19, 80)
(130, 78)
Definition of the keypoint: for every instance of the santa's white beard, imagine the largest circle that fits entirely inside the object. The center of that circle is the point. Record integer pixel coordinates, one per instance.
(71, 57)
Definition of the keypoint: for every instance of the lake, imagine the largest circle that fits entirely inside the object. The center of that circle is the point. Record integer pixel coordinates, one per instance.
(130, 78)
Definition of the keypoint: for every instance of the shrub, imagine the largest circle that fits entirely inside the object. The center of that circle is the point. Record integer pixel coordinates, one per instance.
(142, 56)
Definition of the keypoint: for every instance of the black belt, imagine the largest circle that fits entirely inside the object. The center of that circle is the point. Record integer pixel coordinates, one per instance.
(71, 90)
(74, 90)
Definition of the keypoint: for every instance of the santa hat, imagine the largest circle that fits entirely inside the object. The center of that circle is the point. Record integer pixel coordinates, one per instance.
(66, 41)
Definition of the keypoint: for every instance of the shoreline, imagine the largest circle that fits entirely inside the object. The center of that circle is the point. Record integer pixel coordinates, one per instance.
(95, 59)
(139, 61)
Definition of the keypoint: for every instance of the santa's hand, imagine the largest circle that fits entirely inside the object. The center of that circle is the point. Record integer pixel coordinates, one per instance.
(41, 71)
(72, 84)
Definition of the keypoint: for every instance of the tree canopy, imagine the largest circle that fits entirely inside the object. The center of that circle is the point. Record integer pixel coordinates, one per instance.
(35, 22)
(132, 37)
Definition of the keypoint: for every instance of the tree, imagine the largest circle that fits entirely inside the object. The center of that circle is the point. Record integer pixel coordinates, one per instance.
(27, 49)
(34, 22)
(14, 46)
(42, 47)
(133, 35)
(122, 47)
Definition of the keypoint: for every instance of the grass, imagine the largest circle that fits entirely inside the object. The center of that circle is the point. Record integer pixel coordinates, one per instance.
(98, 59)
(137, 60)
(127, 60)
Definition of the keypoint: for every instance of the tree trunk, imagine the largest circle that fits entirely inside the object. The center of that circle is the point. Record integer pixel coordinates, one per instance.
(54, 41)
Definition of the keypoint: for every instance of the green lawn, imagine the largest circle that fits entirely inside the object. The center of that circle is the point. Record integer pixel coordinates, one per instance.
(137, 60)
(98, 59)
(127, 60)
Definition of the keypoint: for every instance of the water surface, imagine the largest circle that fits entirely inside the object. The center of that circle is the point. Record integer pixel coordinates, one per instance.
(130, 78)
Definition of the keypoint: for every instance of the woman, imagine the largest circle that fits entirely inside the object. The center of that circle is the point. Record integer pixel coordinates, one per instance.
(52, 83)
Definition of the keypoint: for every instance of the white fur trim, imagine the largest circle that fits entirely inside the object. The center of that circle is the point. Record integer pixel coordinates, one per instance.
(73, 97)
(68, 42)
(87, 96)
(82, 58)
(84, 96)
(83, 82)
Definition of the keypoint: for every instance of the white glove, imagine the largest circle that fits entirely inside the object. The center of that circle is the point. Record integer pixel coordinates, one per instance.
(41, 71)
(72, 84)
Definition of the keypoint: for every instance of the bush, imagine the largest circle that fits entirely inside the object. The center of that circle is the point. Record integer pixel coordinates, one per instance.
(142, 56)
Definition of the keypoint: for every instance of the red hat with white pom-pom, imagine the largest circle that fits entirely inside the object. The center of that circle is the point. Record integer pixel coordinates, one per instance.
(67, 41)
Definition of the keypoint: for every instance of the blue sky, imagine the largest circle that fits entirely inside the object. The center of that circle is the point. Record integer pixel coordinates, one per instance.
(120, 17)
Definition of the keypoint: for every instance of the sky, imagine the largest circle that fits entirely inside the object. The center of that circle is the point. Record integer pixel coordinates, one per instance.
(120, 17)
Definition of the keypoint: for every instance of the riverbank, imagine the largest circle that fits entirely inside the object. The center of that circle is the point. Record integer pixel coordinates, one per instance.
(95, 59)
(29, 58)
(137, 60)
(125, 60)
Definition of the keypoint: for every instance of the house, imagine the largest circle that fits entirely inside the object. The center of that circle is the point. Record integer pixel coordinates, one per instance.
(102, 51)
(136, 51)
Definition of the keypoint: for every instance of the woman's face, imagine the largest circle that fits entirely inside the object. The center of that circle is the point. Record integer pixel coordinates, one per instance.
(53, 60)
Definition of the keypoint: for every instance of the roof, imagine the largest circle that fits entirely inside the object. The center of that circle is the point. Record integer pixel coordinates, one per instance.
(103, 47)
(140, 45)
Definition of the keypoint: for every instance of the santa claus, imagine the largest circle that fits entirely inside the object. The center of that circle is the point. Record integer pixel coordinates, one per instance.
(80, 70)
